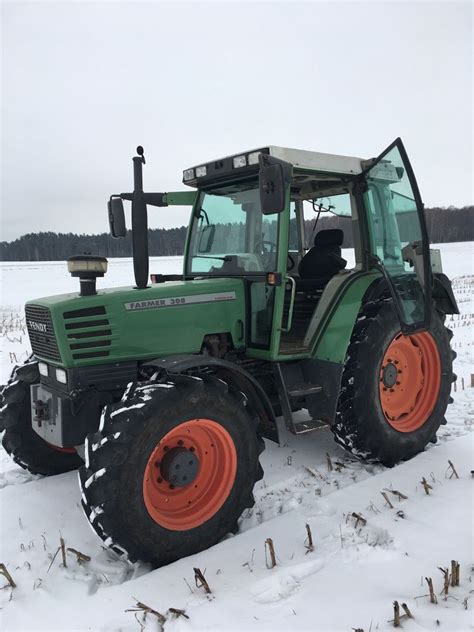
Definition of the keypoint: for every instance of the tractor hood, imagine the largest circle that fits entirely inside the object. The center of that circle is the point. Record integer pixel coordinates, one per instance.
(121, 324)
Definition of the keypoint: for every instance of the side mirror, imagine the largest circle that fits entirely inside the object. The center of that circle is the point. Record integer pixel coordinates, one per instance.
(274, 176)
(207, 238)
(116, 217)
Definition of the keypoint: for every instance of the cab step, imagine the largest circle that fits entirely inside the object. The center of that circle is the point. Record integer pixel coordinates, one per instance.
(309, 425)
(292, 387)
(301, 390)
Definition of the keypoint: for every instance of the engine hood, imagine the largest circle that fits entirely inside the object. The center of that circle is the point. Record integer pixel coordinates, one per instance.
(123, 324)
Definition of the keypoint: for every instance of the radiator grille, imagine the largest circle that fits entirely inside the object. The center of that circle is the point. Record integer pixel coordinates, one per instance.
(88, 336)
(41, 332)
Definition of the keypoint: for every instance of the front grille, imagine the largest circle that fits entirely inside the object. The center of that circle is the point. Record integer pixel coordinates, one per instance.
(87, 335)
(41, 332)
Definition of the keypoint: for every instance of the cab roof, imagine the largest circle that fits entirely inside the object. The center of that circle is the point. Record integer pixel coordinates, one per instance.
(247, 162)
(317, 161)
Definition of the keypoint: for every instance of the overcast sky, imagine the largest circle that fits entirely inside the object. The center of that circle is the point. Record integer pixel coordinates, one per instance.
(84, 83)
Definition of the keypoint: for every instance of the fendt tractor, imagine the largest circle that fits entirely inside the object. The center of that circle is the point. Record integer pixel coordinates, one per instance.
(160, 394)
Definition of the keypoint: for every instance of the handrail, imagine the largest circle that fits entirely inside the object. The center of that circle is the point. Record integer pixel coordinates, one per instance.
(292, 303)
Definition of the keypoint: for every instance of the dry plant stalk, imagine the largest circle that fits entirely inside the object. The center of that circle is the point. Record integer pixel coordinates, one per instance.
(310, 545)
(142, 607)
(177, 612)
(6, 574)
(329, 462)
(446, 578)
(455, 568)
(406, 610)
(426, 486)
(62, 546)
(433, 598)
(271, 550)
(453, 470)
(201, 580)
(387, 500)
(315, 472)
(358, 518)
(396, 614)
(81, 557)
(399, 495)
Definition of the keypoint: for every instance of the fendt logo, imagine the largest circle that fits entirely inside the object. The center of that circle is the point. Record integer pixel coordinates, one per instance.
(32, 324)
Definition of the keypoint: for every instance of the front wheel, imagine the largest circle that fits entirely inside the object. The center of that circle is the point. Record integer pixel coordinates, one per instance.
(172, 468)
(395, 388)
(20, 440)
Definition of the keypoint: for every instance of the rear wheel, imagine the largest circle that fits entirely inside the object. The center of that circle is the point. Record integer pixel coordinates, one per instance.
(172, 468)
(395, 388)
(20, 440)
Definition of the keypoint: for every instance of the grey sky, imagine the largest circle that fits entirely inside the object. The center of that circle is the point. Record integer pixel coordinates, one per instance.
(84, 83)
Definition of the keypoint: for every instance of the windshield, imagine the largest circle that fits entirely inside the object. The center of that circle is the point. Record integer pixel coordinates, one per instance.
(230, 235)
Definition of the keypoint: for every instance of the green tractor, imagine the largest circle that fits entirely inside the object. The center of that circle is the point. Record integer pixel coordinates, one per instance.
(161, 394)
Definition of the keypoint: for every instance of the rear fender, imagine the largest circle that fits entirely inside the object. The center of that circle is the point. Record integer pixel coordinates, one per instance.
(442, 293)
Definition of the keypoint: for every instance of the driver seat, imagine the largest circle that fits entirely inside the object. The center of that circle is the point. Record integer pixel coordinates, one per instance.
(322, 261)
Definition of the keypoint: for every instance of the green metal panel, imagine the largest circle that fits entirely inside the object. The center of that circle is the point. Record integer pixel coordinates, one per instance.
(282, 265)
(164, 319)
(181, 198)
(335, 334)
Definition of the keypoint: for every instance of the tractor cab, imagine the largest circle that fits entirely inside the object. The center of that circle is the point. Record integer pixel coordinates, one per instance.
(290, 255)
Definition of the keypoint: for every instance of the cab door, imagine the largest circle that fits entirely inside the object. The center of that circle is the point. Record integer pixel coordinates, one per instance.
(398, 240)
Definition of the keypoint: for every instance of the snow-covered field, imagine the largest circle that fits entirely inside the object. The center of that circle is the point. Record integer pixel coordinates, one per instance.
(348, 581)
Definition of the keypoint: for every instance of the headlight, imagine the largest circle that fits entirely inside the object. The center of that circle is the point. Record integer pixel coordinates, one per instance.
(201, 171)
(43, 369)
(239, 161)
(253, 158)
(61, 376)
(188, 174)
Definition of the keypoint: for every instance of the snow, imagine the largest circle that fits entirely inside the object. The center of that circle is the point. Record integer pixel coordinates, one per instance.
(349, 580)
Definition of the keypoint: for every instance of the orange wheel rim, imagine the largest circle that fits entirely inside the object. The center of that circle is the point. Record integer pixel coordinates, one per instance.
(189, 474)
(59, 449)
(410, 379)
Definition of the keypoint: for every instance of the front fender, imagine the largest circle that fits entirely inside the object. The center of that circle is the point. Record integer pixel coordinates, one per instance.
(233, 374)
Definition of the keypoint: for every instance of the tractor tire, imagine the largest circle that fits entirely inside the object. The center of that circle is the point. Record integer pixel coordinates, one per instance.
(395, 389)
(171, 469)
(20, 441)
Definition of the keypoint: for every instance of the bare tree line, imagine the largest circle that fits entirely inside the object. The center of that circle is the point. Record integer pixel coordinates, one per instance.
(444, 225)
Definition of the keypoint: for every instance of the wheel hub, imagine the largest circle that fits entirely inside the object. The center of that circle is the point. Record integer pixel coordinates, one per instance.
(179, 467)
(189, 474)
(410, 378)
(389, 375)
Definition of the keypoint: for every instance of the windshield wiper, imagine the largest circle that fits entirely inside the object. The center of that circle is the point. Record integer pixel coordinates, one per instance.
(225, 258)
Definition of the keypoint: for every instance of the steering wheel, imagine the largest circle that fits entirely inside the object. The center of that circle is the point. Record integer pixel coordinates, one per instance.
(291, 263)
(262, 243)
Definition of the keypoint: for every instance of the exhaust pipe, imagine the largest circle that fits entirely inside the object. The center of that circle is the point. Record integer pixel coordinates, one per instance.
(139, 223)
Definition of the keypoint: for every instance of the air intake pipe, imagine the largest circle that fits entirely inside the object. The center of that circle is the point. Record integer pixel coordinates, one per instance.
(87, 268)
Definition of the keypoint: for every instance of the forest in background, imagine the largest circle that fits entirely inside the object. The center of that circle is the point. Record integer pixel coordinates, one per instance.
(444, 225)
